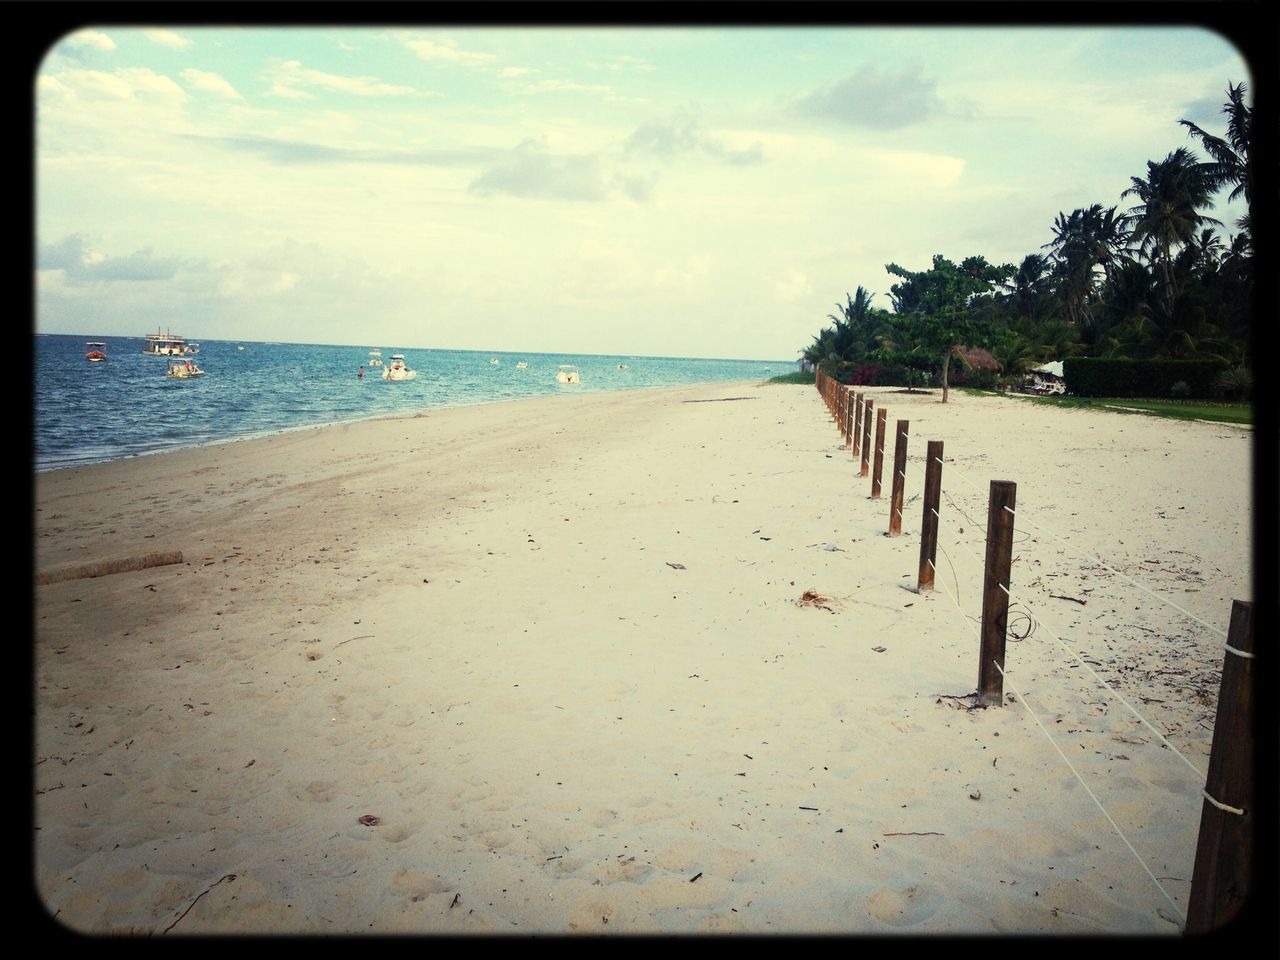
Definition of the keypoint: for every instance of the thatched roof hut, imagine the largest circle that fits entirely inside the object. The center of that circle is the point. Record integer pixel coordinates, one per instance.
(975, 358)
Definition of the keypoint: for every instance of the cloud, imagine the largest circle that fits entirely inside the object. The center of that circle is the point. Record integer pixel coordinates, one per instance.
(668, 138)
(791, 286)
(530, 171)
(300, 151)
(81, 264)
(210, 83)
(875, 100)
(507, 72)
(289, 77)
(90, 39)
(167, 38)
(432, 51)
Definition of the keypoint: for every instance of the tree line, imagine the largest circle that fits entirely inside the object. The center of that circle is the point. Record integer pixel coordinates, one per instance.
(1153, 280)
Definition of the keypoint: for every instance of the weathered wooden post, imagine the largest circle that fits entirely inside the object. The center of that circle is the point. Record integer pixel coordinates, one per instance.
(868, 407)
(899, 480)
(857, 424)
(1222, 878)
(995, 592)
(849, 411)
(929, 528)
(878, 469)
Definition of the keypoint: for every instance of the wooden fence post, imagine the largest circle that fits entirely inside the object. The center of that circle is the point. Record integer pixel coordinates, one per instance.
(868, 408)
(848, 416)
(899, 479)
(878, 469)
(857, 424)
(995, 595)
(1222, 878)
(929, 528)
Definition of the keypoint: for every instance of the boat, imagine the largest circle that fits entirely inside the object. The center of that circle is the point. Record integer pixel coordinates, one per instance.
(168, 345)
(183, 368)
(568, 374)
(622, 366)
(375, 358)
(522, 365)
(396, 369)
(494, 361)
(95, 351)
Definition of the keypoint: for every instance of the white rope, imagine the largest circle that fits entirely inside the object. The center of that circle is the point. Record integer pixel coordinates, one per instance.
(1114, 826)
(1188, 613)
(1245, 654)
(1115, 693)
(1222, 806)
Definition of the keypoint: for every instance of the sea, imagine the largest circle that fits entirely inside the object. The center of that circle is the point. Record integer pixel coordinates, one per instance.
(126, 406)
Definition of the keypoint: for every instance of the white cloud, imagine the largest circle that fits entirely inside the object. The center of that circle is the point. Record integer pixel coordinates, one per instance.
(791, 286)
(167, 38)
(432, 51)
(210, 83)
(291, 74)
(90, 38)
(506, 72)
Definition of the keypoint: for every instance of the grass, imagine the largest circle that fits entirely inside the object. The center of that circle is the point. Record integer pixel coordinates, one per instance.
(796, 377)
(1215, 410)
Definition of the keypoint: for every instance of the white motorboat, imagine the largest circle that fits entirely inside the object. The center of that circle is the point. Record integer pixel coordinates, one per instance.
(95, 351)
(397, 370)
(522, 365)
(183, 368)
(168, 345)
(375, 358)
(568, 374)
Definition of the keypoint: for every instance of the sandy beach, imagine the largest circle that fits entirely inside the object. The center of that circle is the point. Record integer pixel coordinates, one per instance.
(544, 667)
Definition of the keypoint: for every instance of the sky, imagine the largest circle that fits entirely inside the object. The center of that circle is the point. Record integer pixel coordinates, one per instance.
(675, 190)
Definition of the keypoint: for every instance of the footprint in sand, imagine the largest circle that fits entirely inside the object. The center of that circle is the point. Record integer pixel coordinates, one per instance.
(904, 908)
(418, 886)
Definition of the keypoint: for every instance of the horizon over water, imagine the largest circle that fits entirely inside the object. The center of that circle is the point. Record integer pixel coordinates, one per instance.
(125, 406)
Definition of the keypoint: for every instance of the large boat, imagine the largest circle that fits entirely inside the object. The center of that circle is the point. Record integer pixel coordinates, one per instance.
(396, 369)
(183, 368)
(375, 358)
(95, 351)
(568, 374)
(168, 345)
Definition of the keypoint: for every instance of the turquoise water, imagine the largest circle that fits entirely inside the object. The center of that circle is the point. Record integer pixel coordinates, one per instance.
(125, 406)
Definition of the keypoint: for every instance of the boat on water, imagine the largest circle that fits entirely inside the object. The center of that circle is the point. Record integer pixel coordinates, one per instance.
(183, 368)
(397, 370)
(522, 365)
(375, 358)
(494, 361)
(568, 374)
(168, 345)
(95, 351)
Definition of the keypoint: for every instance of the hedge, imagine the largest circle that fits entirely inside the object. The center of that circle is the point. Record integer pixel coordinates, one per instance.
(1102, 377)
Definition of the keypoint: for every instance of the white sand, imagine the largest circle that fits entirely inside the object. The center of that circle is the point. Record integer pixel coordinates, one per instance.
(554, 646)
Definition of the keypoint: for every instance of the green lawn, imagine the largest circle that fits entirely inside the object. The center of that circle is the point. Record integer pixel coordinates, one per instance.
(1219, 411)
(797, 377)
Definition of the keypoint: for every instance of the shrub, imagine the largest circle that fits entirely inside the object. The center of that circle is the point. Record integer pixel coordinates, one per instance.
(1234, 384)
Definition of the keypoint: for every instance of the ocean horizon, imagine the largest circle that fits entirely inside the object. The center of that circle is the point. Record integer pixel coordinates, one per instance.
(125, 406)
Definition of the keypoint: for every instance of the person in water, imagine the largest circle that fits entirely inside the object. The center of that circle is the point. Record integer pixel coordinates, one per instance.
(360, 375)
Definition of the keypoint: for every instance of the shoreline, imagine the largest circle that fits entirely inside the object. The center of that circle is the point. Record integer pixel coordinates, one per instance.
(557, 648)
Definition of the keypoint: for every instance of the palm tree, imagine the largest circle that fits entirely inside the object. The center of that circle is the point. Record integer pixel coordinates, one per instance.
(1168, 213)
(1230, 164)
(1089, 238)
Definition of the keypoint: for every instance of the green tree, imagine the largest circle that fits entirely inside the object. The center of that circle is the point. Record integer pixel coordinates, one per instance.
(1168, 215)
(934, 307)
(1230, 156)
